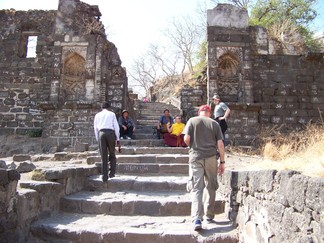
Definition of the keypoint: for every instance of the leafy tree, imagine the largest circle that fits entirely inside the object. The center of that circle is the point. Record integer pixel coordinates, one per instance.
(286, 20)
(268, 12)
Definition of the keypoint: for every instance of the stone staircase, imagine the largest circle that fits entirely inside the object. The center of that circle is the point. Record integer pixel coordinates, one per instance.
(146, 201)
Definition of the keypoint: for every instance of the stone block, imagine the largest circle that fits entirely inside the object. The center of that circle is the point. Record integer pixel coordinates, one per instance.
(25, 167)
(9, 102)
(4, 180)
(93, 159)
(28, 206)
(261, 181)
(8, 117)
(315, 194)
(142, 235)
(13, 175)
(61, 156)
(88, 236)
(3, 164)
(151, 208)
(7, 131)
(21, 157)
(115, 235)
(131, 168)
(128, 207)
(174, 168)
(116, 208)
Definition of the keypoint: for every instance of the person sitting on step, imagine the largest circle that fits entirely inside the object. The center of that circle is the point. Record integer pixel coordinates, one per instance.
(162, 126)
(175, 137)
(127, 125)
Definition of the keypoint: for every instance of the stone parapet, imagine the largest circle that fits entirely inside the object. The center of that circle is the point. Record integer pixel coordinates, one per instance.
(277, 206)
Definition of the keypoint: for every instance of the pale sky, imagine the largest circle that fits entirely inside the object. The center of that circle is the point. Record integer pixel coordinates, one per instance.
(134, 24)
(130, 24)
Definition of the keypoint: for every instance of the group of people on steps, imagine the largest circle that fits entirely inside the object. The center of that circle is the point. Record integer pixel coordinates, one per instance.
(203, 134)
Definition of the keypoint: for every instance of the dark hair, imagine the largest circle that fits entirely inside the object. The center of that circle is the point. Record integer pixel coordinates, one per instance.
(105, 105)
(166, 110)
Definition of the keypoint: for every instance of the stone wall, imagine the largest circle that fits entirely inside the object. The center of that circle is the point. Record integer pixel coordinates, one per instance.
(74, 69)
(290, 89)
(8, 205)
(271, 206)
(37, 198)
(262, 82)
(191, 97)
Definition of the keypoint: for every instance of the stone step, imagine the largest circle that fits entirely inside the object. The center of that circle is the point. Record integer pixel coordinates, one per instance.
(144, 128)
(84, 228)
(147, 122)
(142, 142)
(143, 135)
(160, 105)
(144, 150)
(152, 169)
(156, 112)
(139, 183)
(145, 158)
(128, 203)
(149, 117)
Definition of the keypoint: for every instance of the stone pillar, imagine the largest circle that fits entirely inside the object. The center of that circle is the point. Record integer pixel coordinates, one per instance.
(228, 48)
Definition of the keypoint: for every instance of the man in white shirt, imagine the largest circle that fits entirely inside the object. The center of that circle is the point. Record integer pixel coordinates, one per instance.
(106, 130)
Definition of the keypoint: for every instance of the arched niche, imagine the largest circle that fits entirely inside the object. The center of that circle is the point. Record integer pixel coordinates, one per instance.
(229, 74)
(73, 77)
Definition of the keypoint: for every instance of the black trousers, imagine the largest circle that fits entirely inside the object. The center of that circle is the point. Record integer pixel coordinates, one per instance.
(128, 132)
(107, 141)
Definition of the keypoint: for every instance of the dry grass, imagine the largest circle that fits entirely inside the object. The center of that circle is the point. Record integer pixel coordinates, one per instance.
(300, 150)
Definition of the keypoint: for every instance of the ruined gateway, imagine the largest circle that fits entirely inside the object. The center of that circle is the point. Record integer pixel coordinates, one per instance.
(57, 90)
(60, 90)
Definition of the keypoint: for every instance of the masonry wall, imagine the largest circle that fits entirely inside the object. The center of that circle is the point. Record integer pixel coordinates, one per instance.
(289, 88)
(75, 69)
(271, 206)
(264, 83)
(24, 81)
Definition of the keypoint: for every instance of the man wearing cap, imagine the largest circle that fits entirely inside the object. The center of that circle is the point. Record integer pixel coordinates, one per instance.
(204, 137)
(221, 113)
(106, 130)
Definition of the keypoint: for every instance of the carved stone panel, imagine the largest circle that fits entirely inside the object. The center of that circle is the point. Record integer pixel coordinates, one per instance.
(73, 85)
(229, 62)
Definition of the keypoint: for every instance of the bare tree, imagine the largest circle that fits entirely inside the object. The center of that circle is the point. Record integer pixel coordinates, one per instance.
(155, 64)
(168, 65)
(184, 35)
(144, 73)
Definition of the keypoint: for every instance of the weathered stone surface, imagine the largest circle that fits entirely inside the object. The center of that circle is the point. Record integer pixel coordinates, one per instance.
(13, 175)
(3, 177)
(31, 91)
(261, 181)
(274, 205)
(227, 15)
(21, 157)
(315, 194)
(25, 167)
(3, 164)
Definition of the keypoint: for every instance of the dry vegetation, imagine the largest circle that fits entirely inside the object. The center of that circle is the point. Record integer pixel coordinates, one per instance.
(300, 150)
